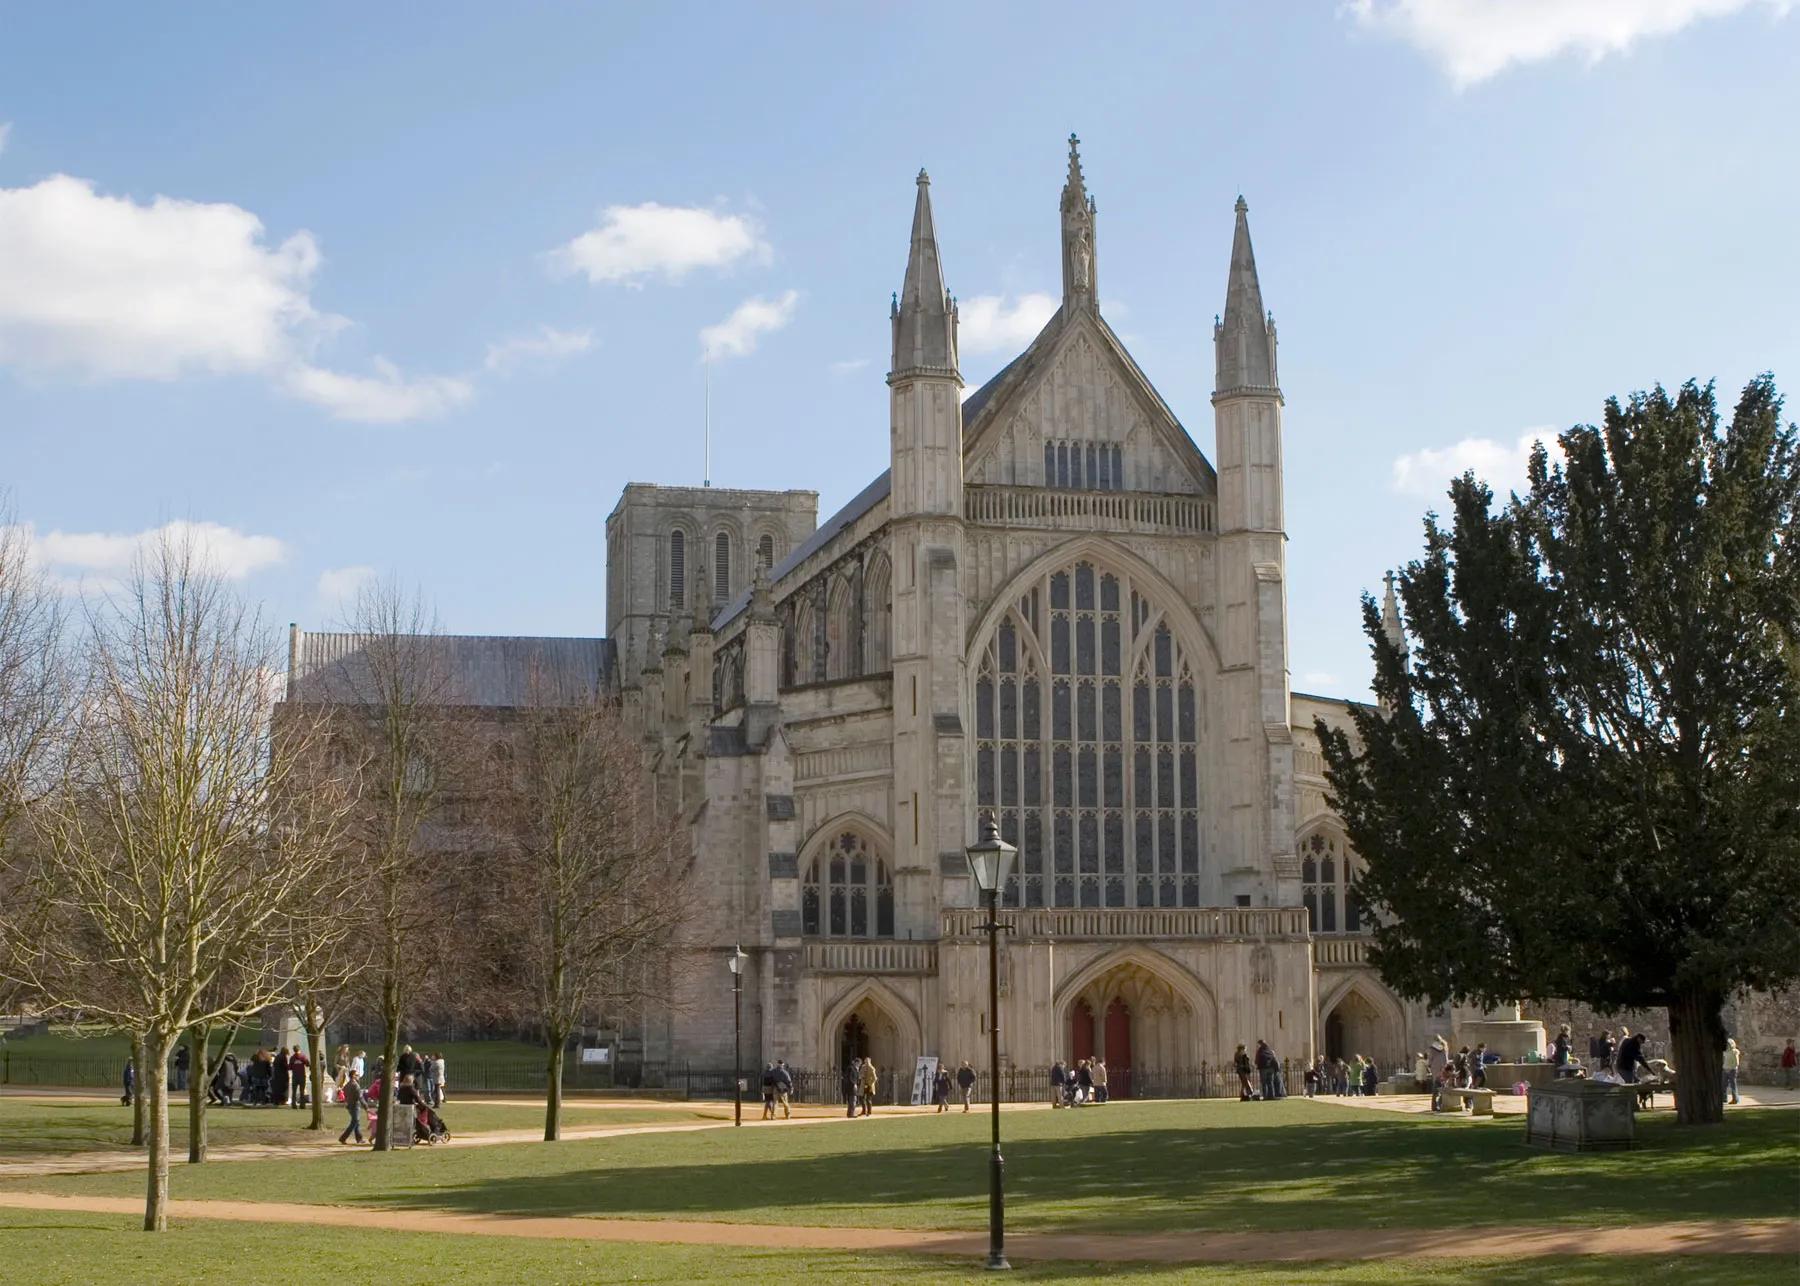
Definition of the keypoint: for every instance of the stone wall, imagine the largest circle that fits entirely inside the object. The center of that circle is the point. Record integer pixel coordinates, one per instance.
(1761, 1022)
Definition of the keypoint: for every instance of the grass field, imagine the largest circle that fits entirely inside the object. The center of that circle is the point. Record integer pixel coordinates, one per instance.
(35, 1126)
(1124, 1168)
(75, 1249)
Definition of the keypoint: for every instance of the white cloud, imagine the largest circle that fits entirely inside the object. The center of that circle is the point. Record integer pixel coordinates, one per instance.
(5, 133)
(105, 287)
(988, 323)
(738, 334)
(1499, 464)
(1474, 40)
(386, 397)
(636, 241)
(547, 345)
(341, 585)
(73, 557)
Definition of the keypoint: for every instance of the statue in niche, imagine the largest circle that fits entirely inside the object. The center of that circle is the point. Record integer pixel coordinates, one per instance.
(1081, 256)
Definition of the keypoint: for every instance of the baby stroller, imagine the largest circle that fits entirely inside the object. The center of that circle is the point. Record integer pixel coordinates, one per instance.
(428, 1126)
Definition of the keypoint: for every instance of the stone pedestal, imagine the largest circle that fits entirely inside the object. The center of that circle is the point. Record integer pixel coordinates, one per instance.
(1503, 1031)
(1580, 1116)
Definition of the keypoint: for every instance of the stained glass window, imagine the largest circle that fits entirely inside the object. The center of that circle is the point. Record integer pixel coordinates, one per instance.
(848, 892)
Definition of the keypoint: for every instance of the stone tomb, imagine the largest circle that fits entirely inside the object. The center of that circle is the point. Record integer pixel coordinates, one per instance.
(1574, 1115)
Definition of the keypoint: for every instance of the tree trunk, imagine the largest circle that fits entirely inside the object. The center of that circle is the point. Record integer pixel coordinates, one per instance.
(198, 1079)
(1697, 1034)
(315, 1039)
(390, 1056)
(138, 1062)
(553, 1089)
(156, 1197)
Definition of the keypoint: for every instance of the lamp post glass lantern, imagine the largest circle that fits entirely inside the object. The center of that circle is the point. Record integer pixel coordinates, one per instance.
(736, 965)
(991, 862)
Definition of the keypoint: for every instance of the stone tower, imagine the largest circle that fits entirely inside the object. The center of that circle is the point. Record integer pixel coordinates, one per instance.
(926, 546)
(1252, 581)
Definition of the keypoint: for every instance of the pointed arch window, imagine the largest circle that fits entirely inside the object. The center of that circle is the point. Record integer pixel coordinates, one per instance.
(848, 891)
(765, 552)
(1087, 727)
(677, 569)
(1328, 885)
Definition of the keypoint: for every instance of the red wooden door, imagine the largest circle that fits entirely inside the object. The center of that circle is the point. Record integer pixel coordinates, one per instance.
(1118, 1049)
(1081, 1033)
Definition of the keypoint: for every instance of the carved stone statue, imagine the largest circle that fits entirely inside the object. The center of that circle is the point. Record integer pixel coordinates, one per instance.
(1081, 257)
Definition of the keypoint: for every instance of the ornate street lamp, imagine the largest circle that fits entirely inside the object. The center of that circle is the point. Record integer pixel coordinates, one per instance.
(737, 1033)
(991, 863)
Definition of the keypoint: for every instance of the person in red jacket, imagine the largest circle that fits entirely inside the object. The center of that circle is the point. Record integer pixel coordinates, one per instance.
(1789, 1071)
(297, 1065)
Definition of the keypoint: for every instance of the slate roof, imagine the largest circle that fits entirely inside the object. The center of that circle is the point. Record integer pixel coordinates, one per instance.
(476, 670)
(860, 504)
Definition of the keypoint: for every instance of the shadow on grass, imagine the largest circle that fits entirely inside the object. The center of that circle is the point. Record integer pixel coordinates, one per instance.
(1322, 1174)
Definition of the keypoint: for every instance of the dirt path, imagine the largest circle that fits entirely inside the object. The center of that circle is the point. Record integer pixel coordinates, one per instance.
(1769, 1236)
(106, 1162)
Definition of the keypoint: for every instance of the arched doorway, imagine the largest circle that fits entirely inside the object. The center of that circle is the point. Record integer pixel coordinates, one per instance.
(1139, 1024)
(871, 1030)
(1356, 1025)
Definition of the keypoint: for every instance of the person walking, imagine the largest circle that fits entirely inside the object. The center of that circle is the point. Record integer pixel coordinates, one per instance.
(1098, 1072)
(784, 1087)
(850, 1083)
(1240, 1063)
(1267, 1068)
(768, 1091)
(871, 1081)
(965, 1080)
(353, 1100)
(1790, 1067)
(1059, 1078)
(1731, 1061)
(130, 1082)
(1084, 1083)
(438, 1084)
(182, 1057)
(940, 1088)
(1629, 1057)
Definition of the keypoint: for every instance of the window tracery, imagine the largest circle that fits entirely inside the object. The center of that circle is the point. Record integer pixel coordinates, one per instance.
(1087, 746)
(848, 891)
(1328, 885)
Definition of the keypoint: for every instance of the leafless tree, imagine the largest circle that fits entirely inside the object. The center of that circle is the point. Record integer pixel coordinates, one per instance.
(394, 696)
(592, 883)
(173, 881)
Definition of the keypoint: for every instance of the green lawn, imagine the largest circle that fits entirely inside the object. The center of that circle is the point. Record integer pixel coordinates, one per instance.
(75, 1249)
(1127, 1167)
(55, 1125)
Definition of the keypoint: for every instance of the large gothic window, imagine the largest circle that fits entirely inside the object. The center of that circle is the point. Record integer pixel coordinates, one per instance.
(848, 892)
(1087, 746)
(1328, 885)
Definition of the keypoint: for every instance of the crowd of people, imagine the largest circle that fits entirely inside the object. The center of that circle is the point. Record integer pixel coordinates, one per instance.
(1080, 1085)
(1335, 1076)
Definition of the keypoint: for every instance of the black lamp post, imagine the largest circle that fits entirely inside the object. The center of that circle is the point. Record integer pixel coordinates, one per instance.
(737, 1034)
(991, 862)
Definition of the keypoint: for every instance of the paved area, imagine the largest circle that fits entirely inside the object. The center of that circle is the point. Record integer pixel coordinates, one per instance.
(1514, 1105)
(1758, 1237)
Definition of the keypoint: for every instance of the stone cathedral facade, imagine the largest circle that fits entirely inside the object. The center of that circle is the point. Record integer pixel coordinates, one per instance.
(1052, 606)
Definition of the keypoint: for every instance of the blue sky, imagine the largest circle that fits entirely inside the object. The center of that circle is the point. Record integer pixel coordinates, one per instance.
(427, 287)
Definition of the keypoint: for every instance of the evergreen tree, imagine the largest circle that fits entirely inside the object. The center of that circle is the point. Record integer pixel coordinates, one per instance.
(1584, 781)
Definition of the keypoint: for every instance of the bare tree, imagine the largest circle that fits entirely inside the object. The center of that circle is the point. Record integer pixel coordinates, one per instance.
(395, 691)
(592, 885)
(173, 884)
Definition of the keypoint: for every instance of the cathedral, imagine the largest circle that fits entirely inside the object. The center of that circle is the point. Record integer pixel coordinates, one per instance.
(1052, 607)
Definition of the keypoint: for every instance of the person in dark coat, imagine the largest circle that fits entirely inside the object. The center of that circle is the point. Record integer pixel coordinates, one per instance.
(179, 1082)
(353, 1099)
(130, 1082)
(940, 1088)
(848, 1082)
(1628, 1058)
(1059, 1078)
(278, 1077)
(1240, 1063)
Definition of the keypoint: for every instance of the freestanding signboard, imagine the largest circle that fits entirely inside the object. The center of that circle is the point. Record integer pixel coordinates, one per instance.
(923, 1076)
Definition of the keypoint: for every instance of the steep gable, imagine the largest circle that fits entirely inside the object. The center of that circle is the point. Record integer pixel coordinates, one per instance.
(1077, 384)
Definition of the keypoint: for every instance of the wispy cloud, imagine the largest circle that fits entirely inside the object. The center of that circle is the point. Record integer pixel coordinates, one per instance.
(1475, 40)
(339, 586)
(990, 322)
(547, 345)
(386, 397)
(632, 242)
(1501, 465)
(75, 559)
(738, 334)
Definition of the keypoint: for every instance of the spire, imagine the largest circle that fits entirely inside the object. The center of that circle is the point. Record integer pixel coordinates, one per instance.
(1244, 340)
(1390, 616)
(1078, 211)
(923, 313)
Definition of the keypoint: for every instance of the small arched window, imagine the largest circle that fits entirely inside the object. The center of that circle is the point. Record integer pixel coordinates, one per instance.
(677, 569)
(765, 552)
(848, 892)
(722, 566)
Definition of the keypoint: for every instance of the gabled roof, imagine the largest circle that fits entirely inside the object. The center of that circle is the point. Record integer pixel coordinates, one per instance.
(981, 409)
(494, 671)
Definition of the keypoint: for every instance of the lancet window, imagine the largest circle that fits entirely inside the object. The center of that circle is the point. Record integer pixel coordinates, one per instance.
(1084, 466)
(677, 570)
(1087, 723)
(848, 891)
